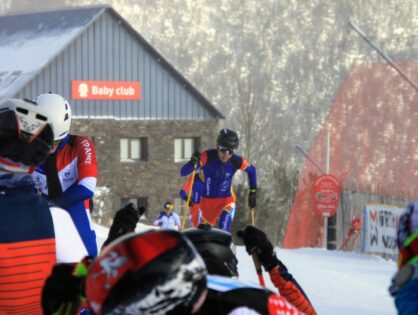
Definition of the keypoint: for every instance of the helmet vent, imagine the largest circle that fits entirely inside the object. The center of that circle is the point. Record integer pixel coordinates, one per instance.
(22, 110)
(41, 117)
(66, 116)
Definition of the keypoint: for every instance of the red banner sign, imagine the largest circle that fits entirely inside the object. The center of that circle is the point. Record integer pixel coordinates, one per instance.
(106, 90)
(326, 193)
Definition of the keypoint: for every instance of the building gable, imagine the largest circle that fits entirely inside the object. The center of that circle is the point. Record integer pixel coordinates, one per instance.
(101, 46)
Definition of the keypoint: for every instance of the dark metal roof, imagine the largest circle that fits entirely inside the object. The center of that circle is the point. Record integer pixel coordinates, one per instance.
(29, 41)
(47, 21)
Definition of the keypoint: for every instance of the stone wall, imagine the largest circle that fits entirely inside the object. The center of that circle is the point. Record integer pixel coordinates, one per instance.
(158, 179)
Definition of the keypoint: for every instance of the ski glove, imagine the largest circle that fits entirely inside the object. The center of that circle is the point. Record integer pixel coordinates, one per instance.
(256, 241)
(252, 198)
(62, 290)
(195, 158)
(124, 222)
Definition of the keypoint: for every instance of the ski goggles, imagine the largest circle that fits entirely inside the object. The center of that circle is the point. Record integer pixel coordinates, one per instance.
(226, 150)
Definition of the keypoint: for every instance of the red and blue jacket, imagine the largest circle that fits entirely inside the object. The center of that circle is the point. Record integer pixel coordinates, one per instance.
(217, 175)
(68, 179)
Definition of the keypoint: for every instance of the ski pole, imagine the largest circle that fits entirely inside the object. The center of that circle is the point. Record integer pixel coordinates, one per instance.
(258, 269)
(183, 223)
(256, 261)
(252, 217)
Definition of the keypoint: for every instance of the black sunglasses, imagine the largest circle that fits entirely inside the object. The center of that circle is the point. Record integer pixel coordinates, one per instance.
(226, 150)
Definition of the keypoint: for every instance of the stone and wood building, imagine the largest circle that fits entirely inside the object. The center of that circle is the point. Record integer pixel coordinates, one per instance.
(144, 117)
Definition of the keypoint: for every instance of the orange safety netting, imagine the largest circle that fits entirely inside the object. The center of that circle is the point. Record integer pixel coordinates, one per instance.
(374, 144)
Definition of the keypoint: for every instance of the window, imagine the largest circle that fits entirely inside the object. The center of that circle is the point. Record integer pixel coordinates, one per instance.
(133, 149)
(184, 148)
(138, 202)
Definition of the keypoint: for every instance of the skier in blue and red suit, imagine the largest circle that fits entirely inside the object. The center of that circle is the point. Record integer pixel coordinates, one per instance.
(219, 166)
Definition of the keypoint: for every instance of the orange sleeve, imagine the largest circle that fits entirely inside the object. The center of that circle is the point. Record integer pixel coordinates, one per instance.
(186, 186)
(291, 292)
(203, 158)
(244, 164)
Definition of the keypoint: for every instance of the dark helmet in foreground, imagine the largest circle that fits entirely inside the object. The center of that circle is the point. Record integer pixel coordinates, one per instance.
(228, 138)
(156, 272)
(26, 136)
(216, 248)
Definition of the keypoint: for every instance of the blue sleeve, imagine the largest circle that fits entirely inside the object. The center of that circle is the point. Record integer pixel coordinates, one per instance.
(75, 194)
(197, 190)
(187, 169)
(183, 194)
(252, 176)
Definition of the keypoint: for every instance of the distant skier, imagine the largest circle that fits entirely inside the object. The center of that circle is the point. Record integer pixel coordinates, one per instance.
(404, 287)
(194, 203)
(219, 166)
(68, 177)
(33, 235)
(167, 218)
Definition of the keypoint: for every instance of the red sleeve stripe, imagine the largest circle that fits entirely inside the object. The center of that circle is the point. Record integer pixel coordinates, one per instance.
(244, 165)
(203, 158)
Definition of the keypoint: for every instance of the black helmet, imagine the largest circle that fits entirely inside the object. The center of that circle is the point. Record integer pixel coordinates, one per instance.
(216, 248)
(228, 138)
(26, 136)
(156, 272)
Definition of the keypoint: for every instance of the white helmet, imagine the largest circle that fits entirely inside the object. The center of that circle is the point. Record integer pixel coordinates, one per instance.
(61, 120)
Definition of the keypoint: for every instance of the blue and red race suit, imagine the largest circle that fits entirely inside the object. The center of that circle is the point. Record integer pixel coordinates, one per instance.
(194, 198)
(68, 179)
(216, 191)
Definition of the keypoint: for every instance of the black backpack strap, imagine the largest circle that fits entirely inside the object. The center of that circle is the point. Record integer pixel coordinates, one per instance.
(71, 141)
(52, 179)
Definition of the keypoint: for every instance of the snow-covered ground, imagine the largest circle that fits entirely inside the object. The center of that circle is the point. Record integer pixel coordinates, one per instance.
(337, 283)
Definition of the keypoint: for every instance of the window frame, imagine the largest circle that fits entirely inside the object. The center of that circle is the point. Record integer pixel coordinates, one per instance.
(183, 157)
(143, 150)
